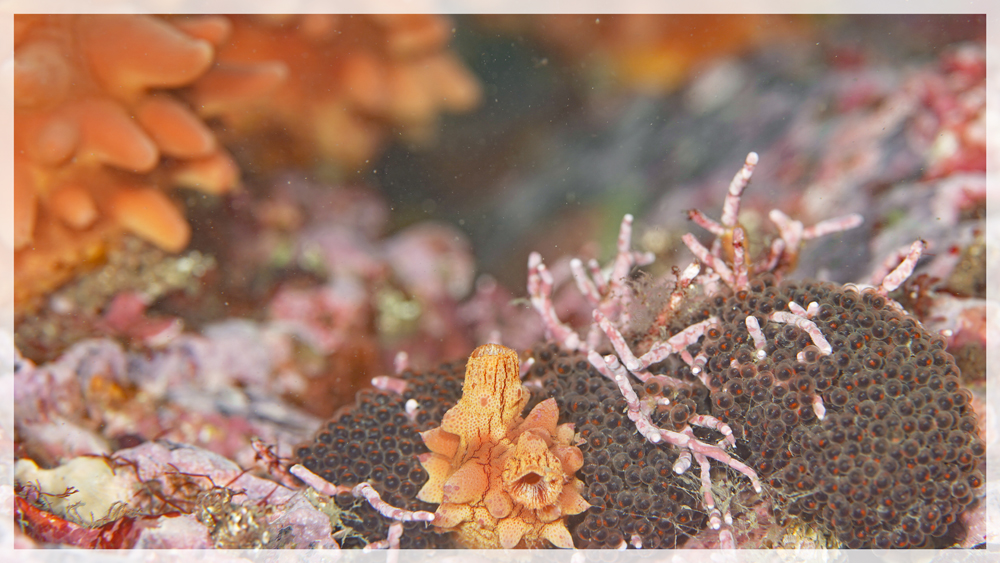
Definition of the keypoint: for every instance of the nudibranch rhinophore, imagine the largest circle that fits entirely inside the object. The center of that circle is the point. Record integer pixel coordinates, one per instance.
(502, 480)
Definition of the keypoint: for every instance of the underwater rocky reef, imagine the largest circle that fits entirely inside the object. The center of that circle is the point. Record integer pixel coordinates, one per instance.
(417, 282)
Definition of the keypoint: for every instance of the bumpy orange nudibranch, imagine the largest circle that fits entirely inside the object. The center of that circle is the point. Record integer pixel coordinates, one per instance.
(502, 480)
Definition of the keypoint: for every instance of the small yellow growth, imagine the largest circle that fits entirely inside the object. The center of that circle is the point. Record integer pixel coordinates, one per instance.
(502, 481)
(84, 490)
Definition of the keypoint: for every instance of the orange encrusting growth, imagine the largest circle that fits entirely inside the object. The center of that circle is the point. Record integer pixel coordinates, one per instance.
(101, 128)
(502, 481)
(117, 103)
(352, 80)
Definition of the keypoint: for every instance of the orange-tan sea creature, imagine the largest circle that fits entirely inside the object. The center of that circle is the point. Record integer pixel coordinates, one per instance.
(502, 481)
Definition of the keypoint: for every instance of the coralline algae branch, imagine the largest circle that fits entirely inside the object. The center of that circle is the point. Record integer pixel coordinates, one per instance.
(502, 481)
(852, 414)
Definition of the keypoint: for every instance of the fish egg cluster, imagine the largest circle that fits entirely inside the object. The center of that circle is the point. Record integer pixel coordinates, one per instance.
(378, 441)
(897, 457)
(630, 484)
(874, 444)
